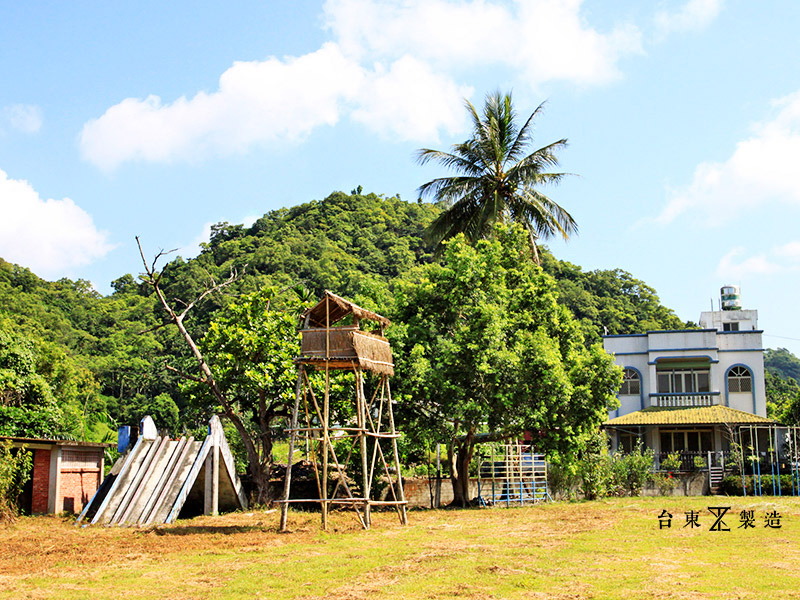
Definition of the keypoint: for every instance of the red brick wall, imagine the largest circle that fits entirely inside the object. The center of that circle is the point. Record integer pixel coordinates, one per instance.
(77, 487)
(41, 481)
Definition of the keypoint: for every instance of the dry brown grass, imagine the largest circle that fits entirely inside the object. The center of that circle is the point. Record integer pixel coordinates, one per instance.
(610, 549)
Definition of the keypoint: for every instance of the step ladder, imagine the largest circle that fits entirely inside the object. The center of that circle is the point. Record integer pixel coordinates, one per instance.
(715, 476)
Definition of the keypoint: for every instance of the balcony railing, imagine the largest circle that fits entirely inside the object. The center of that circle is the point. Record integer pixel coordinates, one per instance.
(679, 400)
(694, 460)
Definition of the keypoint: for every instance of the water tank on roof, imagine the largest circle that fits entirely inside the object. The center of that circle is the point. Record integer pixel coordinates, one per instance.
(731, 298)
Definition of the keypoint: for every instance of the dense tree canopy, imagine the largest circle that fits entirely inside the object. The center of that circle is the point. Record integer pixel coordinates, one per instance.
(103, 356)
(484, 351)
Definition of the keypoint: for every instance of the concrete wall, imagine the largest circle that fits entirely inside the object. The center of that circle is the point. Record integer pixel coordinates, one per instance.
(689, 484)
(418, 491)
(722, 349)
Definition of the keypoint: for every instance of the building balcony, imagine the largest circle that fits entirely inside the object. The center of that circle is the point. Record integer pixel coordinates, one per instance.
(684, 400)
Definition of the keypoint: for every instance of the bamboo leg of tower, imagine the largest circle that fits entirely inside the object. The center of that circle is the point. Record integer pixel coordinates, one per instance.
(325, 443)
(292, 436)
(403, 513)
(366, 482)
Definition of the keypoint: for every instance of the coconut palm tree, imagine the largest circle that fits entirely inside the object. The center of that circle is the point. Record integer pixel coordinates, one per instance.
(497, 179)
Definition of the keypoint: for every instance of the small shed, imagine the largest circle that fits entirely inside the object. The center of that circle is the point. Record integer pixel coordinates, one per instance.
(344, 346)
(66, 474)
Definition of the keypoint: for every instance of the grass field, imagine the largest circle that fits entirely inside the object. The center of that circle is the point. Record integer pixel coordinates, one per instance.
(605, 549)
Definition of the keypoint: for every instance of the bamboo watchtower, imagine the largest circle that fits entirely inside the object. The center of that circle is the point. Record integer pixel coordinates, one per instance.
(326, 347)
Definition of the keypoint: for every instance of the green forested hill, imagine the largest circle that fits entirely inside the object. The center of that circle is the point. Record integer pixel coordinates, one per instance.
(101, 361)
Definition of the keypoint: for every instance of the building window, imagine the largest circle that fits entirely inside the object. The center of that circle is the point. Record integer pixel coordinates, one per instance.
(730, 327)
(740, 380)
(628, 442)
(683, 381)
(631, 384)
(686, 440)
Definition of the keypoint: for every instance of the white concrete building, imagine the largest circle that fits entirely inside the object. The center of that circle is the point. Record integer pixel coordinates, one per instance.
(684, 390)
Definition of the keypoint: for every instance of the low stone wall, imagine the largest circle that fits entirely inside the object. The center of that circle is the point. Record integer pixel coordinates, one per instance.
(688, 484)
(421, 492)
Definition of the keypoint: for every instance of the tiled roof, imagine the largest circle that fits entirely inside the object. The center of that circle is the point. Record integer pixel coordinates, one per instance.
(701, 415)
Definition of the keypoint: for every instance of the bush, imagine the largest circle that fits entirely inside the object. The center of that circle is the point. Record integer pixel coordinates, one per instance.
(618, 475)
(732, 485)
(562, 477)
(639, 468)
(665, 482)
(15, 470)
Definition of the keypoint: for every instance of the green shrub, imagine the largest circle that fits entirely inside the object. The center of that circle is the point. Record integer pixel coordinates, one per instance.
(638, 468)
(618, 475)
(665, 482)
(673, 462)
(15, 470)
(732, 485)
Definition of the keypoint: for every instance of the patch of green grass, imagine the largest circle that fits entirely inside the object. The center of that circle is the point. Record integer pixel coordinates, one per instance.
(606, 549)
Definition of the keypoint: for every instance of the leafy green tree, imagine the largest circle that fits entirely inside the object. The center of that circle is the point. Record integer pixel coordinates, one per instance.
(246, 371)
(27, 405)
(609, 301)
(781, 397)
(250, 347)
(15, 470)
(497, 179)
(783, 363)
(484, 352)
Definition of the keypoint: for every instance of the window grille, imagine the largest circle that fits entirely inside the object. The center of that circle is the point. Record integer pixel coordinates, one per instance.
(740, 380)
(79, 459)
(631, 384)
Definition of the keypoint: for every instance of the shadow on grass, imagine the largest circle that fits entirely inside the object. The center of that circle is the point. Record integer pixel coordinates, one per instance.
(212, 529)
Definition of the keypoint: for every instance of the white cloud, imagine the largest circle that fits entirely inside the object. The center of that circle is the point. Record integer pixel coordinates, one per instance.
(409, 101)
(734, 265)
(391, 66)
(557, 44)
(23, 117)
(259, 101)
(737, 264)
(274, 101)
(762, 169)
(47, 236)
(695, 15)
(790, 251)
(541, 40)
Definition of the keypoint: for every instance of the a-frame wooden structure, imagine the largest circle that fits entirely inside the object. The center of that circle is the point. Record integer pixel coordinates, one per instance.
(330, 344)
(151, 482)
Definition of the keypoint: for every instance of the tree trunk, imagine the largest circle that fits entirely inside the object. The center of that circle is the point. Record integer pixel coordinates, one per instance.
(460, 458)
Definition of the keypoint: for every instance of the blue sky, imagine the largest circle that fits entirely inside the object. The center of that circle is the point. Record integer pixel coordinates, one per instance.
(157, 119)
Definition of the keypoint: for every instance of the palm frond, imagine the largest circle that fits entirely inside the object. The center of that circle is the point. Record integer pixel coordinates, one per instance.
(450, 189)
(524, 136)
(448, 160)
(496, 180)
(546, 216)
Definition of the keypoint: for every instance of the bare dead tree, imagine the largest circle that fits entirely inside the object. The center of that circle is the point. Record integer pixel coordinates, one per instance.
(257, 469)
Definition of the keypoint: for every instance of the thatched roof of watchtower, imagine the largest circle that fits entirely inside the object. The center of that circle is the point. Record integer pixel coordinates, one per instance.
(348, 346)
(338, 308)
